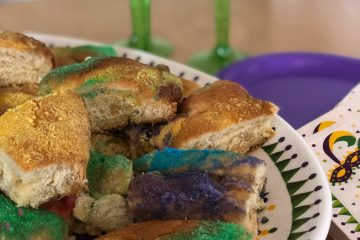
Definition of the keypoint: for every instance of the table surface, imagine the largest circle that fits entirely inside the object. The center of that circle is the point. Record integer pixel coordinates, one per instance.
(257, 26)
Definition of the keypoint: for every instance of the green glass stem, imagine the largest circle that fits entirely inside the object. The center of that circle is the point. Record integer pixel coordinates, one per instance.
(222, 55)
(222, 16)
(141, 31)
(140, 12)
(223, 51)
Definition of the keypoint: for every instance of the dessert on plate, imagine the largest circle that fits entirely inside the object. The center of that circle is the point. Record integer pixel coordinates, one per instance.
(110, 147)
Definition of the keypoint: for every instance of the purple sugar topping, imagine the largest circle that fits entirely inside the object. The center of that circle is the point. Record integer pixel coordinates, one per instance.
(189, 195)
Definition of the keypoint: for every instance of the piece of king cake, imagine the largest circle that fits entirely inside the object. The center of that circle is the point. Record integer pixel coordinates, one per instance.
(23, 59)
(222, 115)
(108, 174)
(105, 206)
(96, 215)
(192, 195)
(217, 162)
(44, 149)
(118, 91)
(197, 184)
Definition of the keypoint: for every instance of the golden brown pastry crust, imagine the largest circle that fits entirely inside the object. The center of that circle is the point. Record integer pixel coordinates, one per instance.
(189, 87)
(12, 99)
(213, 108)
(13, 95)
(229, 98)
(49, 130)
(150, 230)
(22, 42)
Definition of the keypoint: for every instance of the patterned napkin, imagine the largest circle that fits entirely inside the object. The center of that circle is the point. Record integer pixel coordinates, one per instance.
(335, 139)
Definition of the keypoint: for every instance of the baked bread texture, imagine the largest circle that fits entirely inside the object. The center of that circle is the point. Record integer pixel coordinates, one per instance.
(220, 116)
(69, 55)
(104, 207)
(232, 196)
(118, 91)
(141, 141)
(193, 195)
(111, 143)
(44, 148)
(23, 59)
(179, 230)
(107, 175)
(95, 215)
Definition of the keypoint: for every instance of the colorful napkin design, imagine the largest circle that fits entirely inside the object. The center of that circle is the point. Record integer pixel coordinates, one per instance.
(331, 120)
(335, 140)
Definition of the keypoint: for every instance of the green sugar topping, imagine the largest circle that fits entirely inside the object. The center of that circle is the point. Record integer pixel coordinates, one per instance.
(96, 72)
(27, 223)
(85, 50)
(58, 75)
(92, 50)
(108, 174)
(92, 87)
(88, 88)
(212, 231)
(92, 82)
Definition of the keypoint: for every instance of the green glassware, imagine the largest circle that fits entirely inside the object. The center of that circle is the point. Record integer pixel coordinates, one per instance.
(141, 31)
(222, 55)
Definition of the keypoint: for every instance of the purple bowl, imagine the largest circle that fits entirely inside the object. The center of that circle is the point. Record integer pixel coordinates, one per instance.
(303, 85)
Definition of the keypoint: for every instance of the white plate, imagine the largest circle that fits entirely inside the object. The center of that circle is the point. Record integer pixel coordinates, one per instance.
(297, 193)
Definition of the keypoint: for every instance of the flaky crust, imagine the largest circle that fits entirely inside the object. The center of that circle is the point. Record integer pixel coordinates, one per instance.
(22, 42)
(216, 107)
(49, 130)
(229, 98)
(150, 230)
